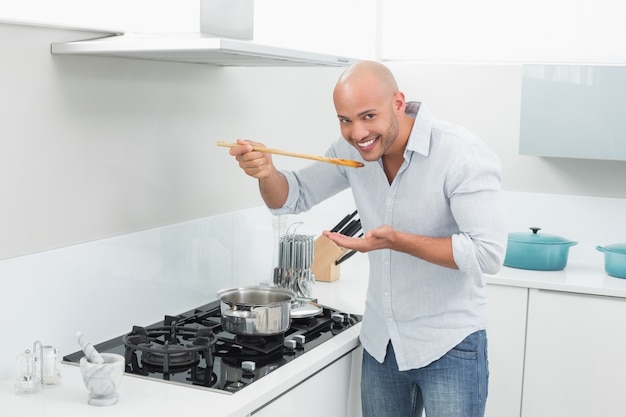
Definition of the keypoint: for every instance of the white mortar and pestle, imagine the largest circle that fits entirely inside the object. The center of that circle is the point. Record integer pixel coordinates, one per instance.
(102, 373)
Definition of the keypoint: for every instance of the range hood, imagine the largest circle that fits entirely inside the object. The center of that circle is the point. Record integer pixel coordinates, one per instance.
(225, 39)
(196, 48)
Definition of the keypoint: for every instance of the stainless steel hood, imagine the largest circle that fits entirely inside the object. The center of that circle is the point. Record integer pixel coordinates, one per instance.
(196, 48)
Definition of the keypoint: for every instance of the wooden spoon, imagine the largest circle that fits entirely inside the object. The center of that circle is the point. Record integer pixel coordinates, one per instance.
(336, 161)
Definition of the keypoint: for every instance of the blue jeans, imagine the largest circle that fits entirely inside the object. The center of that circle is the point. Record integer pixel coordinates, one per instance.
(453, 386)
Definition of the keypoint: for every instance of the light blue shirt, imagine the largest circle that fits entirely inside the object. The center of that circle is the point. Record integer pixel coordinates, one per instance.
(448, 185)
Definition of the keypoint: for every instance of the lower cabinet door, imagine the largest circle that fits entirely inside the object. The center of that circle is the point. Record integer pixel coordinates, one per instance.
(575, 356)
(506, 338)
(328, 393)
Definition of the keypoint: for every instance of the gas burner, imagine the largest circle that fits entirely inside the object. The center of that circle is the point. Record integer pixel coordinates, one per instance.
(180, 360)
(260, 342)
(168, 349)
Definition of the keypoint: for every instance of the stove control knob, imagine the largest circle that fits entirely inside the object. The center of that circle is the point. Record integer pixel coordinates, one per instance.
(300, 339)
(289, 344)
(338, 317)
(248, 367)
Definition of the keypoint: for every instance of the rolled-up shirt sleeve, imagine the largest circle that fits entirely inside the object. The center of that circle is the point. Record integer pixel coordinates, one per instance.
(475, 203)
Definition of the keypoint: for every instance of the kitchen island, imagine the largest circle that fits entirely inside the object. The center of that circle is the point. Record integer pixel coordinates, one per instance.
(139, 396)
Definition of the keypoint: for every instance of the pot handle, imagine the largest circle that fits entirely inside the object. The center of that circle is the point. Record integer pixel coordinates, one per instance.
(601, 248)
(244, 314)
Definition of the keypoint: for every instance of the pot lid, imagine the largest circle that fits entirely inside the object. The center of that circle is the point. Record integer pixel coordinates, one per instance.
(305, 309)
(536, 238)
(616, 248)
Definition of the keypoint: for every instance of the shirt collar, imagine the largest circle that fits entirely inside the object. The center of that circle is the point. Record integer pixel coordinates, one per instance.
(419, 139)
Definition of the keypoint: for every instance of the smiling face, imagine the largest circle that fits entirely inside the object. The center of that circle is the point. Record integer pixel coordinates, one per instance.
(369, 108)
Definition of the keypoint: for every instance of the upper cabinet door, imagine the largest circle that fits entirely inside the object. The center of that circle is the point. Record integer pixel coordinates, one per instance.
(573, 111)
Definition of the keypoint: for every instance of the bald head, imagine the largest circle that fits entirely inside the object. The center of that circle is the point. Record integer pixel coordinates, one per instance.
(370, 75)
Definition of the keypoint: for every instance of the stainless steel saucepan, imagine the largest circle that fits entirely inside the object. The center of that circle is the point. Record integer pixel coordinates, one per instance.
(256, 310)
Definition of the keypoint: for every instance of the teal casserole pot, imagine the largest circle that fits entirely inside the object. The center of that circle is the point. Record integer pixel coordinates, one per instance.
(537, 251)
(614, 259)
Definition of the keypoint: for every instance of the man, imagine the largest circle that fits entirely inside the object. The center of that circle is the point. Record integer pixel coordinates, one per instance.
(428, 199)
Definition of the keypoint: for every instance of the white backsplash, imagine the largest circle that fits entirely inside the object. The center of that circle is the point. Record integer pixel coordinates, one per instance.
(104, 287)
(590, 221)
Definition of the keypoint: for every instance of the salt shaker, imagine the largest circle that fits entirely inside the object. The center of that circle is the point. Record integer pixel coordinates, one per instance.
(29, 375)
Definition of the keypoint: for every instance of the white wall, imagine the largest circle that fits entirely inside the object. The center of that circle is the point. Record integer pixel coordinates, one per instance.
(97, 147)
(123, 15)
(543, 31)
(428, 31)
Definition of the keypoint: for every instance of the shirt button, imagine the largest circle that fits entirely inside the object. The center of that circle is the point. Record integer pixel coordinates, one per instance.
(386, 293)
(386, 262)
(389, 199)
(389, 318)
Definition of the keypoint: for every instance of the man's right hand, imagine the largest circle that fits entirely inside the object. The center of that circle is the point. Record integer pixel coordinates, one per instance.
(255, 164)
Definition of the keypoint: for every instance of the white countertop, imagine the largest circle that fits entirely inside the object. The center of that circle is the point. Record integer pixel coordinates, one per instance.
(576, 277)
(139, 396)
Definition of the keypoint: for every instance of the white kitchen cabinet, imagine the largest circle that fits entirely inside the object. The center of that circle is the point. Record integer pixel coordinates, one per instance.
(553, 124)
(330, 393)
(575, 355)
(506, 338)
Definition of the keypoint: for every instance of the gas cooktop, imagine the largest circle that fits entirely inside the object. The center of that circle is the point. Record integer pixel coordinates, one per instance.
(192, 348)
